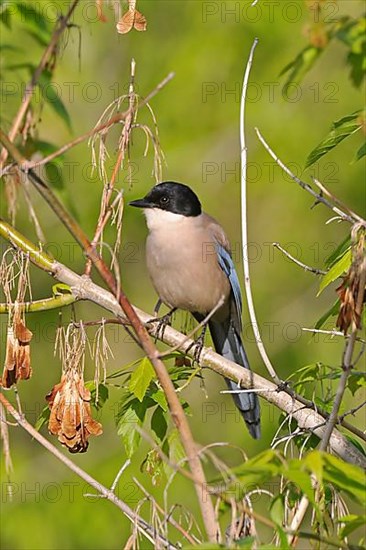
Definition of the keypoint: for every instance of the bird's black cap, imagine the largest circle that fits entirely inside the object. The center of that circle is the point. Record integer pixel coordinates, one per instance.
(172, 197)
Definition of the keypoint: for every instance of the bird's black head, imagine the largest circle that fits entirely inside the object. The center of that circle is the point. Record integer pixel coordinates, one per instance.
(172, 197)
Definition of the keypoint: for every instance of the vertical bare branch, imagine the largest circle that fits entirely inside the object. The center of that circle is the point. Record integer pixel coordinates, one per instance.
(244, 221)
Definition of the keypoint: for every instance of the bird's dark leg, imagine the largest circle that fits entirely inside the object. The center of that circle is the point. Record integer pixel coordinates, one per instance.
(157, 307)
(198, 344)
(162, 321)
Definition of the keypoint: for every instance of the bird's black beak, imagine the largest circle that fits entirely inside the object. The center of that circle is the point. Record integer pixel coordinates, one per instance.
(140, 203)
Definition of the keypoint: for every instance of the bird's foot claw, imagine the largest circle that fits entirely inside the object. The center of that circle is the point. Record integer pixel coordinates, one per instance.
(198, 347)
(162, 323)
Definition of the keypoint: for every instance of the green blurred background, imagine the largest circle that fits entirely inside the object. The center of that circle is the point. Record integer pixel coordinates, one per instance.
(206, 44)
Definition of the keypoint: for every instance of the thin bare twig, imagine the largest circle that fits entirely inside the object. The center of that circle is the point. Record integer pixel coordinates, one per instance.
(334, 199)
(62, 24)
(167, 517)
(244, 224)
(119, 117)
(195, 330)
(332, 333)
(109, 187)
(304, 185)
(147, 530)
(4, 436)
(297, 262)
(115, 481)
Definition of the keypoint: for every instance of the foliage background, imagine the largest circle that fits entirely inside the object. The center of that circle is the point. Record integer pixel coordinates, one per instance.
(199, 133)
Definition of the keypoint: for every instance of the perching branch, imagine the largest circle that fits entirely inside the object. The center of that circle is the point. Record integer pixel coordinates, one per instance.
(83, 288)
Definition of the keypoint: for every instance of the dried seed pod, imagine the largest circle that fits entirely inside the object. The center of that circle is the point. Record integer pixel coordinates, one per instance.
(71, 418)
(17, 364)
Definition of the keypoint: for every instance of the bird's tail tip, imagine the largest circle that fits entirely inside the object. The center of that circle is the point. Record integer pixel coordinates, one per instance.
(254, 430)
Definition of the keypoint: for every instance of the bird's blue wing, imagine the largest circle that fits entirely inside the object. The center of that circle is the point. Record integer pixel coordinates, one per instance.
(227, 265)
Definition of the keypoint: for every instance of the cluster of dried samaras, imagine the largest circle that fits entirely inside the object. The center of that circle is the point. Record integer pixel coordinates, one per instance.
(352, 291)
(69, 401)
(71, 418)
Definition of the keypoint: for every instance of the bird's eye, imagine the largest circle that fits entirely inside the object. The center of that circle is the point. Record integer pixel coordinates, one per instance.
(164, 200)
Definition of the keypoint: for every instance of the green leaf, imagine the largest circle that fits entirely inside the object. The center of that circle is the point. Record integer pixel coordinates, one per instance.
(54, 175)
(297, 475)
(5, 17)
(51, 96)
(133, 415)
(246, 542)
(360, 153)
(159, 424)
(38, 37)
(336, 271)
(338, 252)
(352, 32)
(300, 66)
(46, 148)
(283, 539)
(314, 461)
(356, 381)
(341, 129)
(346, 477)
(176, 451)
(103, 394)
(36, 24)
(141, 378)
(276, 509)
(352, 522)
(159, 397)
(332, 311)
(258, 469)
(43, 418)
(124, 370)
(9, 47)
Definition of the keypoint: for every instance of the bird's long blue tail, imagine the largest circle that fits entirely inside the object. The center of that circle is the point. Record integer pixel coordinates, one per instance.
(228, 343)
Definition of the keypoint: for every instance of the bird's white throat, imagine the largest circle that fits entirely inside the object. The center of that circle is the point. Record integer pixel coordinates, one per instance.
(162, 219)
